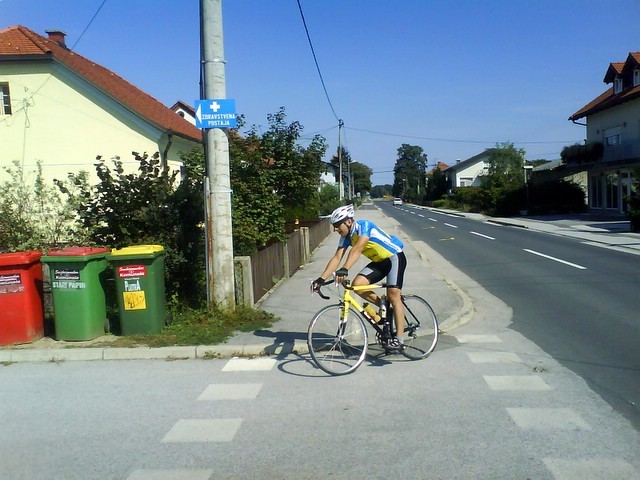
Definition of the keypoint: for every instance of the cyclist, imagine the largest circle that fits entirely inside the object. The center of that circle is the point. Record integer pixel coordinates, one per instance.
(387, 260)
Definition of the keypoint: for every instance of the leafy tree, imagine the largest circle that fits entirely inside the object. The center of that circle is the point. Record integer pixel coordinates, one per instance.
(329, 199)
(436, 185)
(505, 167)
(361, 178)
(380, 191)
(257, 208)
(295, 170)
(409, 173)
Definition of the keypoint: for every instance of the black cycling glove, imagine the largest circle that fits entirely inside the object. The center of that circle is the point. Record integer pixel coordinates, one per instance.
(342, 272)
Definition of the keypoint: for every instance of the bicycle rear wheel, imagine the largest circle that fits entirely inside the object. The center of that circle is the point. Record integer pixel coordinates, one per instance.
(337, 348)
(420, 327)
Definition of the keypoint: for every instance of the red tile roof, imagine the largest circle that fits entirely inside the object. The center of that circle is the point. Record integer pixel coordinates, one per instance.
(20, 43)
(613, 70)
(608, 99)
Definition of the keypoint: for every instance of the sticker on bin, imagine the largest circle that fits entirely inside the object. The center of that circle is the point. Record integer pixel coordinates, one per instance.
(132, 271)
(134, 300)
(11, 283)
(66, 274)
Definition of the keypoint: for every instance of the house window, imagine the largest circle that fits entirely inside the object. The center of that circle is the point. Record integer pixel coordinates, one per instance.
(5, 99)
(617, 85)
(636, 77)
(613, 140)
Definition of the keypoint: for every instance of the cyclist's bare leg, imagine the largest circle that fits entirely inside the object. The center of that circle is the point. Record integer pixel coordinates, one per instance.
(395, 299)
(369, 295)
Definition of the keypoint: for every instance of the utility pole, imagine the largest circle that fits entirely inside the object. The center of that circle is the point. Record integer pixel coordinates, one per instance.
(340, 179)
(220, 270)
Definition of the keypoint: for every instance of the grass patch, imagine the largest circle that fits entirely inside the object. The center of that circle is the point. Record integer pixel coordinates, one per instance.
(201, 327)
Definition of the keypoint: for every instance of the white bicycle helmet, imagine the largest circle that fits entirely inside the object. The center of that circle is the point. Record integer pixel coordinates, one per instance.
(341, 213)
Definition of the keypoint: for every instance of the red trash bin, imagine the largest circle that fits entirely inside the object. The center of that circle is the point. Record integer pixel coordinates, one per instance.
(21, 300)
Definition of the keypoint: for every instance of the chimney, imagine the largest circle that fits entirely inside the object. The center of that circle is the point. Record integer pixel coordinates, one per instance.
(57, 36)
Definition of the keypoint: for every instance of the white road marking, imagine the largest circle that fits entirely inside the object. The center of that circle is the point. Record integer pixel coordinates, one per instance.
(452, 226)
(231, 391)
(433, 219)
(516, 382)
(203, 430)
(178, 474)
(548, 419)
(478, 338)
(494, 357)
(590, 469)
(249, 364)
(482, 235)
(574, 265)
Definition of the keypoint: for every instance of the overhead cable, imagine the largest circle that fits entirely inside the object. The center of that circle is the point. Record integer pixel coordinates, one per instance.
(452, 140)
(316, 61)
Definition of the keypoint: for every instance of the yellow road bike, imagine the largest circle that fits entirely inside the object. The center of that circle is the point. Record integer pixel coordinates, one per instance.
(338, 337)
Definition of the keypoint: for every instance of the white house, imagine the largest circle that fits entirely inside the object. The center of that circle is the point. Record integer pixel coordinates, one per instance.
(469, 172)
(63, 110)
(613, 138)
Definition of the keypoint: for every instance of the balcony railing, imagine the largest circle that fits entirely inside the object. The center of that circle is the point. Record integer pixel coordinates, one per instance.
(621, 152)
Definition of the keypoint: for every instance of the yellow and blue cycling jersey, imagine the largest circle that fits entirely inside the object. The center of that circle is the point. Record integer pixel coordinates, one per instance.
(380, 245)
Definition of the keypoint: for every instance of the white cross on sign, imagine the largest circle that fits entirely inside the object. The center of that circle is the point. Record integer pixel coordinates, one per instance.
(215, 106)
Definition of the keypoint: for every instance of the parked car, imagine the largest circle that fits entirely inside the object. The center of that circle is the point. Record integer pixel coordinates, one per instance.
(397, 201)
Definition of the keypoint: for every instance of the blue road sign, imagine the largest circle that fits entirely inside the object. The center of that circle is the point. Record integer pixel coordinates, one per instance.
(216, 113)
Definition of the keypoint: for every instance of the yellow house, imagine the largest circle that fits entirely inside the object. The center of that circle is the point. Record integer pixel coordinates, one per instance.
(63, 110)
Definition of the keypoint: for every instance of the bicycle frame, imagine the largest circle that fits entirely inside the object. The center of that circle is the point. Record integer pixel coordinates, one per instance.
(348, 300)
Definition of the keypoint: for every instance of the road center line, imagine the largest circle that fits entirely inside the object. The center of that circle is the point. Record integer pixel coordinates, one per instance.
(574, 265)
(433, 219)
(449, 225)
(482, 235)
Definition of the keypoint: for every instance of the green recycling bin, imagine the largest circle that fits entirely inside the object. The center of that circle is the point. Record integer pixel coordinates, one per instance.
(78, 280)
(139, 274)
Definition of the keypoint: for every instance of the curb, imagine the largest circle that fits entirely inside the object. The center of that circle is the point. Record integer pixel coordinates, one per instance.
(142, 353)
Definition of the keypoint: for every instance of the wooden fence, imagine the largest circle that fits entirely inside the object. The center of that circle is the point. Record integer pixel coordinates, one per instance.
(280, 260)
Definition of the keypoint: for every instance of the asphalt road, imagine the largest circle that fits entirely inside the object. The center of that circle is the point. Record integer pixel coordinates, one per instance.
(577, 301)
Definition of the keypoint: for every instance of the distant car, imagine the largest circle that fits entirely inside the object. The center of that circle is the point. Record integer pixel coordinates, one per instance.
(397, 201)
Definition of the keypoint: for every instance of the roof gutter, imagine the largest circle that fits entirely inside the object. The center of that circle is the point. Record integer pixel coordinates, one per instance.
(578, 123)
(165, 163)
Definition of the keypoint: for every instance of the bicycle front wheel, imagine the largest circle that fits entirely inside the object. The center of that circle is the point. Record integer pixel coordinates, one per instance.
(335, 346)
(420, 327)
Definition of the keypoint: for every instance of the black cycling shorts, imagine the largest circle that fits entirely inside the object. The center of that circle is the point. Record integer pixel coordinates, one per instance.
(393, 268)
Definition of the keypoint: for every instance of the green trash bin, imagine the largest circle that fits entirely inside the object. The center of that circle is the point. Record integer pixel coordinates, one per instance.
(139, 274)
(78, 281)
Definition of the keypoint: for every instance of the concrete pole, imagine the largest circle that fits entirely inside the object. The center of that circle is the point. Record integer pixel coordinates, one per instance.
(220, 271)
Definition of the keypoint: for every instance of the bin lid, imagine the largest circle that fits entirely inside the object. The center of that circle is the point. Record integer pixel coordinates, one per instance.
(19, 258)
(137, 250)
(79, 253)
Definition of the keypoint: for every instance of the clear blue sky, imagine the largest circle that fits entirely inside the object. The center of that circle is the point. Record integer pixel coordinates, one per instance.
(454, 77)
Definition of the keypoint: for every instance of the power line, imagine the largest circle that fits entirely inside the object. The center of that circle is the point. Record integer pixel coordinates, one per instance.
(451, 140)
(316, 61)
(89, 24)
